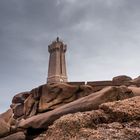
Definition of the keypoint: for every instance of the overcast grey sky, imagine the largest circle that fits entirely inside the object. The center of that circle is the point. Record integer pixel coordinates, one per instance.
(103, 38)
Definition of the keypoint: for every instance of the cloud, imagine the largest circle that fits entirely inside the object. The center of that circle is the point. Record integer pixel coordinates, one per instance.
(102, 38)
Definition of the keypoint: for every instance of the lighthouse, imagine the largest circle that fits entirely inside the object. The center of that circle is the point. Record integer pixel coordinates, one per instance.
(57, 63)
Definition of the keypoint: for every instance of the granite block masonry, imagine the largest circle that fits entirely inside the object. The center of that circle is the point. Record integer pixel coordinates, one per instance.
(57, 63)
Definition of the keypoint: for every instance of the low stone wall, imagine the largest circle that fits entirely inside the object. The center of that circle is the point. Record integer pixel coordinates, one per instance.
(100, 83)
(136, 84)
(76, 83)
(111, 83)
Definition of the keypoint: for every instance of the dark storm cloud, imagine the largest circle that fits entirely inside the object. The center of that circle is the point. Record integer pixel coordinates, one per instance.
(102, 37)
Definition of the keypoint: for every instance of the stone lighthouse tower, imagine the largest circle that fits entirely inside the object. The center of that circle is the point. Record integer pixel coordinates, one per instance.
(57, 64)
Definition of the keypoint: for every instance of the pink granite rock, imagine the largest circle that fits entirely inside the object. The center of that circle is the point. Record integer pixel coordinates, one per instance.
(121, 79)
(86, 103)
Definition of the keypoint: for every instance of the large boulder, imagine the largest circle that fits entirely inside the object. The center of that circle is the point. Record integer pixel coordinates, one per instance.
(118, 80)
(4, 128)
(51, 96)
(86, 103)
(56, 95)
(114, 120)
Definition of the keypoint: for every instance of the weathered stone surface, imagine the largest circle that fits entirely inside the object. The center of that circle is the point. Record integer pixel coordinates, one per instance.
(15, 136)
(34, 109)
(41, 136)
(135, 90)
(37, 92)
(61, 129)
(87, 103)
(83, 91)
(56, 95)
(136, 80)
(121, 79)
(4, 128)
(20, 98)
(98, 124)
(18, 104)
(97, 88)
(126, 110)
(119, 131)
(69, 125)
(51, 96)
(31, 101)
(6, 115)
(112, 131)
(28, 105)
(18, 110)
(12, 121)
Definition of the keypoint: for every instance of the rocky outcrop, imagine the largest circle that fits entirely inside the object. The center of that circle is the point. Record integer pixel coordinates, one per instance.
(41, 99)
(113, 121)
(52, 96)
(90, 102)
(33, 112)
